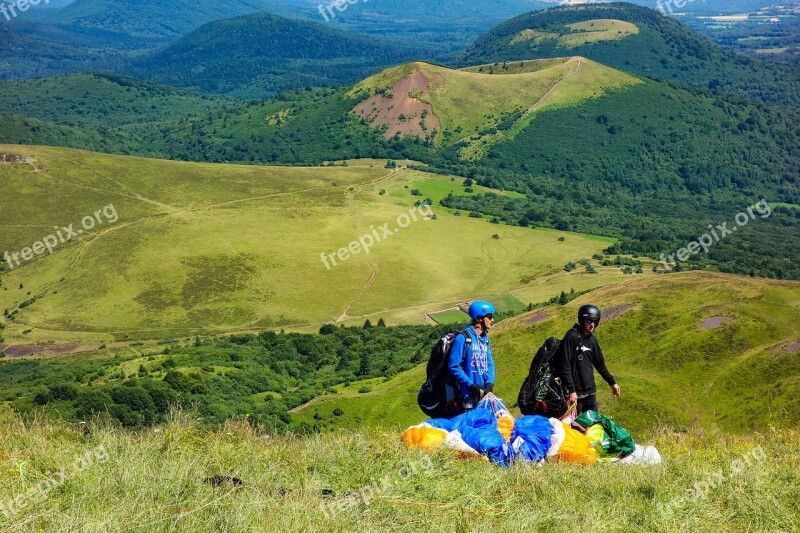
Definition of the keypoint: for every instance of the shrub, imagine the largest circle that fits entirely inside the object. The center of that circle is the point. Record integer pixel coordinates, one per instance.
(327, 329)
(365, 389)
(64, 392)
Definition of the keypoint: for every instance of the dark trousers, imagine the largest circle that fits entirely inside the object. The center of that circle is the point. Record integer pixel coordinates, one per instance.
(588, 403)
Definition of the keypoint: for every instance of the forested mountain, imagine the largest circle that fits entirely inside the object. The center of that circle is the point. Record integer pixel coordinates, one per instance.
(656, 46)
(95, 100)
(663, 159)
(30, 49)
(99, 34)
(261, 55)
(444, 25)
(154, 20)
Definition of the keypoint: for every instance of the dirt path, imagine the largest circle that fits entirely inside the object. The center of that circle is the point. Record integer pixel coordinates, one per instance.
(37, 170)
(173, 211)
(533, 107)
(568, 75)
(351, 200)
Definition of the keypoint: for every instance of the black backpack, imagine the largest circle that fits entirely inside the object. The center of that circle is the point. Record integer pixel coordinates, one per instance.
(541, 392)
(439, 396)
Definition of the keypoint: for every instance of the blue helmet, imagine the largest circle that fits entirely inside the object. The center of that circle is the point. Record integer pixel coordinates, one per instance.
(479, 309)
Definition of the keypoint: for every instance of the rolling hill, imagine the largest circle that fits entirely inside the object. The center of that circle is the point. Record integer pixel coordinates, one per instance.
(445, 26)
(92, 35)
(687, 349)
(96, 100)
(31, 49)
(261, 55)
(445, 106)
(643, 42)
(666, 161)
(152, 20)
(251, 240)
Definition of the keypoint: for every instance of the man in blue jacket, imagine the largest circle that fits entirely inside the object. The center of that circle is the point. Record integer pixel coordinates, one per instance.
(472, 366)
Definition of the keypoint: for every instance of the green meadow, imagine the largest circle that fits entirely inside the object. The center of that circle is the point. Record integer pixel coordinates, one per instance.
(202, 248)
(687, 349)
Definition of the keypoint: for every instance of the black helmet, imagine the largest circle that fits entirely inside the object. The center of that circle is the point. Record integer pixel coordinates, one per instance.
(588, 311)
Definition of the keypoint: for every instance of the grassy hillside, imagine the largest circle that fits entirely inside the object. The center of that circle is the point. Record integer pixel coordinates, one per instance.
(262, 55)
(676, 365)
(471, 102)
(250, 244)
(368, 481)
(660, 47)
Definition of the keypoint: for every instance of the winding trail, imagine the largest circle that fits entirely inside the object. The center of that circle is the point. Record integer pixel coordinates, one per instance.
(344, 315)
(538, 102)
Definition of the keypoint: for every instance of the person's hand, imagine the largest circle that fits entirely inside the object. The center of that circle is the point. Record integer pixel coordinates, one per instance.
(573, 398)
(475, 391)
(615, 389)
(489, 387)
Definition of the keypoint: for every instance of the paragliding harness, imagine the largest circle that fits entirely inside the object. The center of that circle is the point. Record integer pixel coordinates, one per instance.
(541, 392)
(440, 396)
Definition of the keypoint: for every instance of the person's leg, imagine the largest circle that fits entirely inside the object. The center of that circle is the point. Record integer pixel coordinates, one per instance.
(589, 403)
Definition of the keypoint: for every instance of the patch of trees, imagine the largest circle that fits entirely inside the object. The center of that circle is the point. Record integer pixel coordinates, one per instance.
(259, 376)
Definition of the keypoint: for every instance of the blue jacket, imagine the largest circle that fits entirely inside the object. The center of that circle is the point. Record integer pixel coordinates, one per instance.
(477, 366)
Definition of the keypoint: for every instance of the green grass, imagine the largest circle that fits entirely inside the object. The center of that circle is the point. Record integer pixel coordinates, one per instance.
(450, 317)
(739, 376)
(784, 204)
(581, 33)
(597, 30)
(202, 248)
(153, 481)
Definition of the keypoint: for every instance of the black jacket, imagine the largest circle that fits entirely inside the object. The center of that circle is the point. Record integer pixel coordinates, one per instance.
(577, 358)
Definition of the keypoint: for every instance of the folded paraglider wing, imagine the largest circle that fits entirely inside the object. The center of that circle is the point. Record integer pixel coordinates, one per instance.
(570, 445)
(425, 437)
(531, 437)
(489, 442)
(618, 442)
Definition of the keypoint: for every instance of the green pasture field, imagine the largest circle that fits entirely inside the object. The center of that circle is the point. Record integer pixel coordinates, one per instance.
(201, 248)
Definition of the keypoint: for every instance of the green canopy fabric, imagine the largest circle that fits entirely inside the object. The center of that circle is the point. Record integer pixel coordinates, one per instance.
(619, 441)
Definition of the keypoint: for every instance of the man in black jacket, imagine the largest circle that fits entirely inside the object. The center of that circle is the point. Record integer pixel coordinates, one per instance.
(579, 355)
